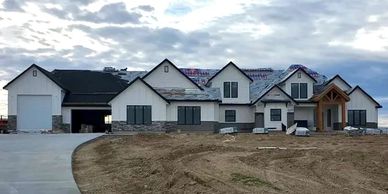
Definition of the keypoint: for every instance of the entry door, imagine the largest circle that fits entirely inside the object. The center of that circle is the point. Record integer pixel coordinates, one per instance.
(34, 112)
(329, 120)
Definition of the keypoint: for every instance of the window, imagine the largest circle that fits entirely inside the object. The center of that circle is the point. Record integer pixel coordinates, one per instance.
(299, 90)
(303, 90)
(139, 114)
(295, 90)
(34, 73)
(230, 115)
(299, 75)
(357, 118)
(276, 114)
(230, 89)
(166, 69)
(189, 115)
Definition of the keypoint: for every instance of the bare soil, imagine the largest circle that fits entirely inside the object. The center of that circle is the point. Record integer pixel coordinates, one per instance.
(246, 163)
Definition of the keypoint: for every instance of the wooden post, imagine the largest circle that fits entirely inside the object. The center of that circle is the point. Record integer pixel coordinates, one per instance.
(319, 116)
(343, 114)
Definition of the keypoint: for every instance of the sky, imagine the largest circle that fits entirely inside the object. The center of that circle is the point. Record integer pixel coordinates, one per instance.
(348, 37)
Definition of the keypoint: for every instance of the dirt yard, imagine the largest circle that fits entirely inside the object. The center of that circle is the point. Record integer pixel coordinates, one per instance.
(246, 163)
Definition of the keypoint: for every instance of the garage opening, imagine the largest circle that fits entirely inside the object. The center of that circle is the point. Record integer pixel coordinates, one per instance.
(90, 121)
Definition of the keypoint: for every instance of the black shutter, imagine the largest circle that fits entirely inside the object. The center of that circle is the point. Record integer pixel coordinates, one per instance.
(357, 118)
(189, 115)
(350, 118)
(295, 90)
(147, 115)
(303, 90)
(226, 89)
(234, 89)
(363, 118)
(138, 115)
(197, 115)
(181, 115)
(131, 115)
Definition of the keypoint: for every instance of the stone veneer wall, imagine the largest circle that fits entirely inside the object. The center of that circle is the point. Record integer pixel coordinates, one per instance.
(164, 126)
(245, 127)
(59, 126)
(11, 125)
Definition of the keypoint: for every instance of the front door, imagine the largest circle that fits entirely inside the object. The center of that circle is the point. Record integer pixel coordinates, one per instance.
(329, 120)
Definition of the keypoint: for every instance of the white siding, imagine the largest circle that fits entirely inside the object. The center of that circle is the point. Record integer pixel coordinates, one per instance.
(304, 79)
(360, 101)
(66, 112)
(26, 84)
(172, 79)
(267, 115)
(209, 110)
(231, 74)
(275, 94)
(338, 82)
(244, 114)
(138, 94)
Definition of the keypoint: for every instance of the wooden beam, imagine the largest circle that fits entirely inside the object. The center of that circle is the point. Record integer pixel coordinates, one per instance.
(319, 116)
(343, 107)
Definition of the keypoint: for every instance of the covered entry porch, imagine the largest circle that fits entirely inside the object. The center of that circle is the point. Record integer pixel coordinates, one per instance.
(331, 108)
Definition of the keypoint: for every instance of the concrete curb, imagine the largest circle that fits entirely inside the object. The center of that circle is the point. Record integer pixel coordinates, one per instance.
(78, 148)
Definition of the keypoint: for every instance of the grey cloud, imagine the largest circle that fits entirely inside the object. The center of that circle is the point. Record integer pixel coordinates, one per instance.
(146, 7)
(12, 5)
(112, 13)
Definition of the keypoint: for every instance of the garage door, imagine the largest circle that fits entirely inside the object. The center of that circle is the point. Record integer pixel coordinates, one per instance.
(34, 112)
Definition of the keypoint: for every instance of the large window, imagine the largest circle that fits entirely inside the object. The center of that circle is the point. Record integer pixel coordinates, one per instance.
(357, 118)
(230, 89)
(230, 115)
(295, 90)
(299, 90)
(189, 115)
(139, 114)
(276, 114)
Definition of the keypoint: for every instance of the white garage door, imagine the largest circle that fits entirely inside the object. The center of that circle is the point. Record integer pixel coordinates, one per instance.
(34, 112)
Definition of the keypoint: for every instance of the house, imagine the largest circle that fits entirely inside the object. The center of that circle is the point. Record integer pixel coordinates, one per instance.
(168, 98)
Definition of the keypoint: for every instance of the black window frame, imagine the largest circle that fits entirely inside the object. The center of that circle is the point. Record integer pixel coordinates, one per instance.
(301, 90)
(295, 94)
(357, 118)
(141, 115)
(303, 93)
(230, 89)
(274, 115)
(189, 115)
(230, 116)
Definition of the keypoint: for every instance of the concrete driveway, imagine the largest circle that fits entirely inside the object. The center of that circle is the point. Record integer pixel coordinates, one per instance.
(35, 163)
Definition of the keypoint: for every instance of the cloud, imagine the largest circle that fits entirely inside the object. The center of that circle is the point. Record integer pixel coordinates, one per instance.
(332, 37)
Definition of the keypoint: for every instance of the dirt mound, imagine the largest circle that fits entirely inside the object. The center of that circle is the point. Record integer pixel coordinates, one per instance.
(206, 163)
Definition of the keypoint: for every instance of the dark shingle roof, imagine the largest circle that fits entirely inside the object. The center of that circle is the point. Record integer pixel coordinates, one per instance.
(87, 87)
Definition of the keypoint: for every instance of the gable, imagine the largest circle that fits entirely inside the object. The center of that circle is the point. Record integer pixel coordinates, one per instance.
(167, 75)
(275, 94)
(138, 91)
(230, 71)
(26, 82)
(294, 77)
(359, 97)
(338, 81)
(41, 74)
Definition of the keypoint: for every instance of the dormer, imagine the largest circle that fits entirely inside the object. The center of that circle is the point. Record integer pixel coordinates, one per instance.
(167, 75)
(341, 83)
(298, 84)
(233, 84)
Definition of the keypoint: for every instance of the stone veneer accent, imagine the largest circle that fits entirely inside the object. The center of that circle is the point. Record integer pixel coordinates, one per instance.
(11, 125)
(168, 126)
(57, 124)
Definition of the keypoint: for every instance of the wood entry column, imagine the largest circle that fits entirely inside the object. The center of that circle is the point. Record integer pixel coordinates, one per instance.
(319, 116)
(343, 107)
